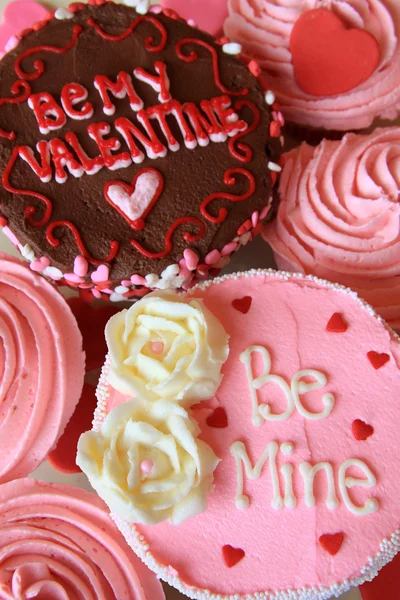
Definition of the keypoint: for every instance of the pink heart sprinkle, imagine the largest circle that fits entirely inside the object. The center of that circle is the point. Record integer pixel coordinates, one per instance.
(229, 248)
(101, 274)
(81, 266)
(212, 257)
(96, 294)
(40, 264)
(192, 260)
(73, 277)
(138, 280)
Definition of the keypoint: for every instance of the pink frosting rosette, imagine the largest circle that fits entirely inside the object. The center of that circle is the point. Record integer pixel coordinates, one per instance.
(41, 368)
(264, 27)
(339, 216)
(58, 542)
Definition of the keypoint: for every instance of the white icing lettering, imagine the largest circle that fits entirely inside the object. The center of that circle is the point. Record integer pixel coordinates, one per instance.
(301, 387)
(289, 498)
(371, 505)
(308, 473)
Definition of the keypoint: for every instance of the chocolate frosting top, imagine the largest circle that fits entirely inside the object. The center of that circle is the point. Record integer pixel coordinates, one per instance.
(190, 175)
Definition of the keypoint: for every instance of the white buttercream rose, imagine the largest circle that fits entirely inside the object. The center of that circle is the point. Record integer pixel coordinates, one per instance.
(166, 346)
(147, 464)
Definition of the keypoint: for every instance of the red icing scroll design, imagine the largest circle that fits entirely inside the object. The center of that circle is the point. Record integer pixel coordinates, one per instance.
(193, 56)
(240, 151)
(188, 237)
(29, 210)
(134, 202)
(23, 89)
(38, 65)
(229, 179)
(149, 42)
(53, 241)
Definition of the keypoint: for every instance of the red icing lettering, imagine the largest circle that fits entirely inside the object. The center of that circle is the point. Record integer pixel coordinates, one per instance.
(62, 158)
(154, 148)
(91, 166)
(42, 170)
(72, 94)
(112, 162)
(160, 112)
(159, 83)
(121, 88)
(204, 129)
(227, 116)
(49, 115)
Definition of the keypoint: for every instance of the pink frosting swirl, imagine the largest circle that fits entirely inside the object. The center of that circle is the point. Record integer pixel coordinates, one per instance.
(59, 542)
(339, 216)
(41, 368)
(263, 27)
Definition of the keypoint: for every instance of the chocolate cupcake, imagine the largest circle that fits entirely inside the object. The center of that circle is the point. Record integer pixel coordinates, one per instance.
(136, 152)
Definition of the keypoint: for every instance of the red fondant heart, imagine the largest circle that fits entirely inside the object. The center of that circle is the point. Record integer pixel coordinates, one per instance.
(218, 418)
(377, 359)
(329, 59)
(242, 304)
(361, 430)
(134, 202)
(336, 324)
(63, 457)
(232, 555)
(331, 542)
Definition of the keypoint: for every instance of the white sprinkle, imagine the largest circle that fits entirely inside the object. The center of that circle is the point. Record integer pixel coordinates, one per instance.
(53, 273)
(63, 13)
(274, 167)
(27, 252)
(269, 97)
(116, 297)
(121, 289)
(232, 48)
(143, 7)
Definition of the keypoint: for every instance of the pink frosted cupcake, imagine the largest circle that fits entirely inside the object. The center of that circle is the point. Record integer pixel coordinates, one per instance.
(324, 75)
(284, 484)
(59, 542)
(41, 367)
(339, 216)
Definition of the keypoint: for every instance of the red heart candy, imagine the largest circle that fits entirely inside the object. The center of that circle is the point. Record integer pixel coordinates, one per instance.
(218, 418)
(242, 304)
(336, 324)
(361, 430)
(232, 555)
(329, 59)
(378, 359)
(331, 542)
(63, 457)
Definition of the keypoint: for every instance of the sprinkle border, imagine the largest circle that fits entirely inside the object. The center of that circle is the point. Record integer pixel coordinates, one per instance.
(387, 549)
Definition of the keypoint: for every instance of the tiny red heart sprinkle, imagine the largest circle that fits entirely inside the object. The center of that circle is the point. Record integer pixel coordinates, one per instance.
(329, 59)
(378, 359)
(331, 542)
(361, 430)
(63, 457)
(336, 324)
(242, 304)
(218, 418)
(232, 555)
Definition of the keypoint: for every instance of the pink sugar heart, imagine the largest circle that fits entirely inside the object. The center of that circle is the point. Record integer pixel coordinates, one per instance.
(80, 266)
(17, 16)
(101, 274)
(40, 264)
(191, 258)
(134, 202)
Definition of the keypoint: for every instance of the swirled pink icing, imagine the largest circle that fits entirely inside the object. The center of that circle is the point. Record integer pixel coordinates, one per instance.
(59, 542)
(41, 368)
(339, 216)
(263, 27)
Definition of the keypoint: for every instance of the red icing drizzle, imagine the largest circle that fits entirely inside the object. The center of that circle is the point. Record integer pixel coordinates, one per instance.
(53, 241)
(229, 179)
(243, 152)
(38, 64)
(18, 87)
(29, 210)
(188, 237)
(149, 41)
(192, 56)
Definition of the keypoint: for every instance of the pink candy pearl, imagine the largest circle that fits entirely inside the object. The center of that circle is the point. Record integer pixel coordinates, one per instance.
(146, 466)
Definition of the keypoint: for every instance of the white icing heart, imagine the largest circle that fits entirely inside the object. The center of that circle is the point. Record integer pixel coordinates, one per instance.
(135, 205)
